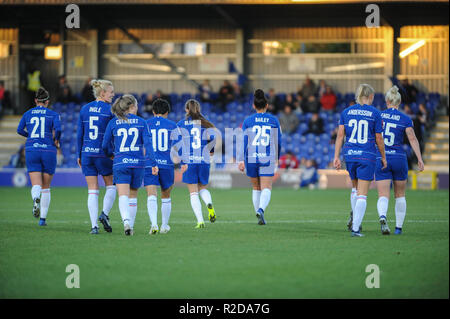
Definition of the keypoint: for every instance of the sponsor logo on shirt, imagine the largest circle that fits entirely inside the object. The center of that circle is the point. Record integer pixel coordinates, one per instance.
(130, 161)
(40, 145)
(91, 150)
(259, 154)
(390, 152)
(160, 161)
(352, 152)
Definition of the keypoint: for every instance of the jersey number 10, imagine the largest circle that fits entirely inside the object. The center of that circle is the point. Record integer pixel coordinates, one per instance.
(160, 140)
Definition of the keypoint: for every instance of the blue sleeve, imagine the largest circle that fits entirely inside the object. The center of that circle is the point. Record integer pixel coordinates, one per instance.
(150, 155)
(57, 127)
(378, 123)
(80, 135)
(107, 140)
(21, 127)
(408, 122)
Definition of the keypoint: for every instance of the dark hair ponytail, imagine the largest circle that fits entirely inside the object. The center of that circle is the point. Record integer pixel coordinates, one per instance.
(42, 95)
(193, 108)
(259, 99)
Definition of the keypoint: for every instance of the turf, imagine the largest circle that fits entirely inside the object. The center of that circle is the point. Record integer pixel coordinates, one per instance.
(304, 251)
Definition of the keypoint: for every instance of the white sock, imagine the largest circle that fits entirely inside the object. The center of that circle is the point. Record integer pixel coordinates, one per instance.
(152, 207)
(382, 206)
(124, 207)
(400, 211)
(206, 196)
(256, 195)
(45, 202)
(358, 213)
(197, 207)
(132, 210)
(35, 191)
(353, 198)
(108, 200)
(166, 208)
(93, 206)
(265, 198)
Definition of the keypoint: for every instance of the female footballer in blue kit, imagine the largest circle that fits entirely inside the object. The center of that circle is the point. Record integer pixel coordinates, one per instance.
(125, 137)
(395, 125)
(361, 125)
(42, 128)
(262, 144)
(92, 122)
(197, 133)
(161, 130)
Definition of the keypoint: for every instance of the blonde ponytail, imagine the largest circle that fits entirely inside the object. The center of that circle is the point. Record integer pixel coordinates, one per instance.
(122, 105)
(363, 91)
(393, 97)
(99, 85)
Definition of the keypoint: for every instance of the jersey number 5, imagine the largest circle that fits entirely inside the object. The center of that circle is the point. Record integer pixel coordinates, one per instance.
(391, 135)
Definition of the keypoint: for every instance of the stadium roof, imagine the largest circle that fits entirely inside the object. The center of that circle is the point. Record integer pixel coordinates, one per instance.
(216, 2)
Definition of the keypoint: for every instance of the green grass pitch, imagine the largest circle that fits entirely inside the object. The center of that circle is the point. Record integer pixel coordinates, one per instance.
(304, 251)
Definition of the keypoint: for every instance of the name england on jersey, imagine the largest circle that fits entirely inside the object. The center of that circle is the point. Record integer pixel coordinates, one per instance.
(394, 117)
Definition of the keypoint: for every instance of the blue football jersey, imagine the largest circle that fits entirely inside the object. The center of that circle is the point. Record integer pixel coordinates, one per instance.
(197, 142)
(262, 138)
(40, 122)
(361, 123)
(92, 122)
(395, 123)
(128, 139)
(163, 134)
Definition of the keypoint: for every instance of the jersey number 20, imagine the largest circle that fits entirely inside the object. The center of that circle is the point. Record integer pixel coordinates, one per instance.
(360, 129)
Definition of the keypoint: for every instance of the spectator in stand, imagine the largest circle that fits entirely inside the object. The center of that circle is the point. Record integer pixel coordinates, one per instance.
(273, 101)
(238, 93)
(226, 94)
(328, 100)
(321, 89)
(308, 88)
(18, 159)
(311, 105)
(5, 99)
(148, 103)
(333, 136)
(309, 176)
(298, 104)
(423, 116)
(205, 90)
(302, 163)
(87, 95)
(315, 125)
(64, 93)
(288, 120)
(289, 160)
(410, 91)
(290, 101)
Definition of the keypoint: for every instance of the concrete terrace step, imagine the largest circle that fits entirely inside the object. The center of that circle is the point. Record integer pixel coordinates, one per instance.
(436, 147)
(441, 168)
(436, 157)
(442, 125)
